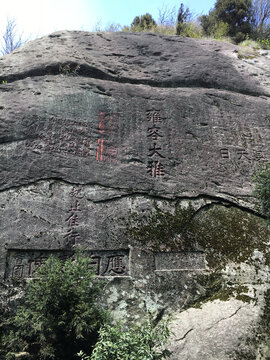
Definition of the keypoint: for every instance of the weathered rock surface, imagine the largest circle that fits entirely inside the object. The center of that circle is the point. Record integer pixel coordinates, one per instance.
(95, 126)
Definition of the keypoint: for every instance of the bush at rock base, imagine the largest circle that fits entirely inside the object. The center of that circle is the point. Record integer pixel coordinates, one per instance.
(60, 315)
(137, 342)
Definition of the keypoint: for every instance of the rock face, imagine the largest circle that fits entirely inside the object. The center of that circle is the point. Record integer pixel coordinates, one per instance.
(140, 149)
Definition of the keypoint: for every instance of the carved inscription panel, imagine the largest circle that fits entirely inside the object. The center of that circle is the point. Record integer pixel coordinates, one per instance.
(24, 263)
(186, 260)
(58, 136)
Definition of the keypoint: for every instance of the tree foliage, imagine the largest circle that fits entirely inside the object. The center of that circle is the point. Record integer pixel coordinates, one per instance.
(262, 189)
(236, 13)
(143, 23)
(183, 16)
(60, 315)
(137, 342)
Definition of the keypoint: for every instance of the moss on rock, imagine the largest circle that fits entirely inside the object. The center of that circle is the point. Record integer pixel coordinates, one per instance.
(225, 233)
(229, 234)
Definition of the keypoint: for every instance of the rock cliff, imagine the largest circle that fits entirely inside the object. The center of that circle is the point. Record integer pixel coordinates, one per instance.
(140, 149)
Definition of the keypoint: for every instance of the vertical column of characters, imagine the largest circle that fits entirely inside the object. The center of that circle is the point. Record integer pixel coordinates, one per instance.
(155, 166)
(107, 150)
(73, 219)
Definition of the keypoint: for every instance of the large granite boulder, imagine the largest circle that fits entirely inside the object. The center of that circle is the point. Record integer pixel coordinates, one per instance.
(140, 149)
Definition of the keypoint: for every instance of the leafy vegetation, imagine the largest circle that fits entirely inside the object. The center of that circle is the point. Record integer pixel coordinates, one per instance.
(183, 16)
(236, 14)
(60, 314)
(142, 23)
(262, 190)
(233, 20)
(137, 342)
(60, 318)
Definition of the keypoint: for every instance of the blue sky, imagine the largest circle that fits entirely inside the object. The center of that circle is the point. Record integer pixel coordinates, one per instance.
(39, 17)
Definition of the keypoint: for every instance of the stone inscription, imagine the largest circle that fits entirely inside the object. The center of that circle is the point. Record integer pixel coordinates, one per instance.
(155, 166)
(61, 136)
(24, 263)
(242, 154)
(73, 218)
(186, 260)
(106, 151)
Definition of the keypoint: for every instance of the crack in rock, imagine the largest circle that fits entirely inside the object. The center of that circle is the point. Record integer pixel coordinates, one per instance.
(225, 318)
(183, 337)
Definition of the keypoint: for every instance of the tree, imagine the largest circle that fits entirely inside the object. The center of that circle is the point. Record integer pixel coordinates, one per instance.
(236, 13)
(142, 23)
(261, 16)
(60, 315)
(167, 16)
(11, 39)
(183, 16)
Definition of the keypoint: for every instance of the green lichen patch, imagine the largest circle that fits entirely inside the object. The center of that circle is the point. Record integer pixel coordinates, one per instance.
(229, 234)
(160, 230)
(226, 234)
(265, 319)
(216, 288)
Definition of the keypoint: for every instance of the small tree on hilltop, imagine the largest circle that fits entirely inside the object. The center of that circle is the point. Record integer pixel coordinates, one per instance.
(11, 39)
(167, 16)
(143, 23)
(183, 16)
(237, 14)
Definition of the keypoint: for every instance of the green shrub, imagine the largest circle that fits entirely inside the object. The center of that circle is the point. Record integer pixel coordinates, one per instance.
(262, 189)
(220, 30)
(251, 43)
(138, 342)
(264, 43)
(190, 29)
(60, 315)
(164, 29)
(143, 23)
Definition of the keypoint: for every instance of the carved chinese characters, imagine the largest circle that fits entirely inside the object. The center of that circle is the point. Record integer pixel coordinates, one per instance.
(72, 220)
(59, 136)
(240, 154)
(24, 263)
(106, 150)
(155, 166)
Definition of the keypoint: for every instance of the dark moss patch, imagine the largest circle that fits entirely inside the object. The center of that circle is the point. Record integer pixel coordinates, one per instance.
(265, 319)
(226, 234)
(215, 288)
(231, 234)
(158, 229)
